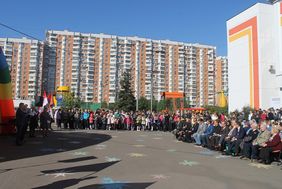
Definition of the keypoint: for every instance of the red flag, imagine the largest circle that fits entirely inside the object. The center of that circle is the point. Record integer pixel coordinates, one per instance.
(50, 99)
(45, 100)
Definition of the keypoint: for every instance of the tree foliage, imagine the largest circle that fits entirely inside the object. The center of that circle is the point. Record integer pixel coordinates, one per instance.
(104, 104)
(217, 109)
(69, 101)
(144, 104)
(126, 100)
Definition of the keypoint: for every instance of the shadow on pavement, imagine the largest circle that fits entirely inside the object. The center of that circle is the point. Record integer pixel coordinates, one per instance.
(56, 142)
(119, 186)
(75, 160)
(83, 168)
(63, 183)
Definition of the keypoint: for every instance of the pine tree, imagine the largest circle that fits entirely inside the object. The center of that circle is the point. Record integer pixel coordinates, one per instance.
(126, 99)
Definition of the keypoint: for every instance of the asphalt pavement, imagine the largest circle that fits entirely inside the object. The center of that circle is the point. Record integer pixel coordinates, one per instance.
(90, 159)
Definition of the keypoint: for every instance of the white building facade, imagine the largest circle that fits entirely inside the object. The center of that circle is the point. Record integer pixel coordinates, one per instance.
(255, 57)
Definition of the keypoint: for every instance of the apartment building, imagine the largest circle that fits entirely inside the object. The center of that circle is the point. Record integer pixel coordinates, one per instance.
(25, 58)
(221, 76)
(92, 65)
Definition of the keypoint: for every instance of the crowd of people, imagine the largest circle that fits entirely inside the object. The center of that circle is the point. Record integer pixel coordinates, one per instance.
(255, 135)
(32, 119)
(115, 120)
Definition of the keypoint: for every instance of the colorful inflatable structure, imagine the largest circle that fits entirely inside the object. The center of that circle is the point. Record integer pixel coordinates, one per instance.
(7, 111)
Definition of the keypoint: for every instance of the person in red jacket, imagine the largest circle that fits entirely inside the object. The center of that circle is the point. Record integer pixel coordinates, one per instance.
(274, 144)
(91, 120)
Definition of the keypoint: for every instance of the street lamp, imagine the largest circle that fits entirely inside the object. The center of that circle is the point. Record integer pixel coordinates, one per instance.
(152, 67)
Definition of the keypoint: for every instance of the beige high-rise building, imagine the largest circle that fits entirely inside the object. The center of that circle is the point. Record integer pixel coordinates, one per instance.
(24, 57)
(92, 65)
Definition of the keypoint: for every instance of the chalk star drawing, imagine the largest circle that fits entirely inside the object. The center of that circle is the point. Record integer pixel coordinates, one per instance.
(188, 163)
(111, 159)
(207, 152)
(157, 138)
(109, 183)
(101, 147)
(260, 165)
(136, 155)
(221, 157)
(171, 150)
(139, 145)
(80, 153)
(74, 142)
(159, 176)
(60, 174)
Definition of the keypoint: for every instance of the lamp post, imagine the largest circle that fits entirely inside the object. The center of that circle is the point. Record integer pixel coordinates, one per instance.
(152, 70)
(138, 87)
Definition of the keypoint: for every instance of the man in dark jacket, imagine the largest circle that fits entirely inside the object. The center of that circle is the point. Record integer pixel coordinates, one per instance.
(45, 121)
(220, 144)
(214, 138)
(33, 121)
(59, 118)
(65, 118)
(21, 122)
(234, 143)
(251, 135)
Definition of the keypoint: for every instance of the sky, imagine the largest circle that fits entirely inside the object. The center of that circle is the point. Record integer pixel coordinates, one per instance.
(191, 21)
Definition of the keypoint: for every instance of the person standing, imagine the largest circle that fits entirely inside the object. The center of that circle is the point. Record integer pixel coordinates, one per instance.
(21, 120)
(59, 118)
(71, 119)
(85, 120)
(76, 119)
(65, 118)
(91, 121)
(45, 120)
(33, 121)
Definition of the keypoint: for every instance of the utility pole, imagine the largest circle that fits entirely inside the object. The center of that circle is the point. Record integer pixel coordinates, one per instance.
(138, 83)
(184, 79)
(152, 71)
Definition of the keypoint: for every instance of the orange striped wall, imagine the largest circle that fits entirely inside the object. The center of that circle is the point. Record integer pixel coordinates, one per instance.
(249, 28)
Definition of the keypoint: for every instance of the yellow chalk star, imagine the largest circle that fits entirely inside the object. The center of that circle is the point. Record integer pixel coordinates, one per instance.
(136, 155)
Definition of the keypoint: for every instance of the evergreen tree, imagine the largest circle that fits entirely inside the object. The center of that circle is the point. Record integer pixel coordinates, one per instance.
(126, 100)
(144, 104)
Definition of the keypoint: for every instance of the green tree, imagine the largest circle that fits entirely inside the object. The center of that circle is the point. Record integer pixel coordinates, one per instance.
(126, 100)
(104, 104)
(143, 104)
(69, 101)
(217, 109)
(112, 106)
